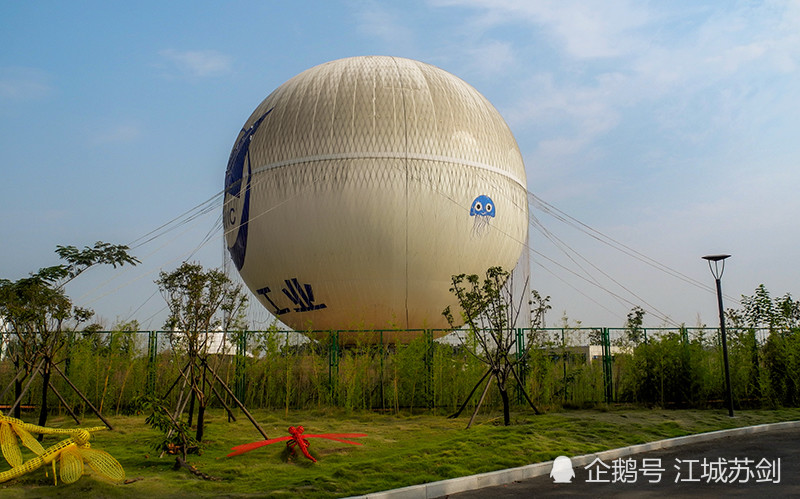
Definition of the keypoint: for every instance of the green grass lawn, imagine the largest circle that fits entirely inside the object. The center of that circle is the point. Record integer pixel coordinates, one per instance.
(398, 451)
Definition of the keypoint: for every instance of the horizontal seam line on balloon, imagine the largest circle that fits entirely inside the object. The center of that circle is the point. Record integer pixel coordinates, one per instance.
(425, 157)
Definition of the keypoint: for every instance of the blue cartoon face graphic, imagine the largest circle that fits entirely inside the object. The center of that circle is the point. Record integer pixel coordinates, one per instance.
(482, 206)
(482, 210)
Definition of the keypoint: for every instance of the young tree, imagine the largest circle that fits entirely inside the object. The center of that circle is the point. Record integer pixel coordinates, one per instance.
(489, 311)
(200, 302)
(537, 336)
(633, 326)
(761, 311)
(596, 336)
(777, 354)
(539, 306)
(37, 312)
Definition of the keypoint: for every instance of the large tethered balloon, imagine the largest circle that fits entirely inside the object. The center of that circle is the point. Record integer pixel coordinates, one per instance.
(360, 186)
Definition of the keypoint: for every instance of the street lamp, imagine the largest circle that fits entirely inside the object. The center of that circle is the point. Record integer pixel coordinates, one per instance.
(716, 271)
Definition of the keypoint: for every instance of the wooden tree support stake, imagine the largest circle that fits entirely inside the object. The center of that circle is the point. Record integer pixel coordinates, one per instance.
(82, 396)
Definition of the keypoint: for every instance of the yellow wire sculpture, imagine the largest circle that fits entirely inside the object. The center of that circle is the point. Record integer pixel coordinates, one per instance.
(70, 453)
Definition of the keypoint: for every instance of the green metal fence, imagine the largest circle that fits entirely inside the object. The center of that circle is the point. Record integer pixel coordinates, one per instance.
(559, 367)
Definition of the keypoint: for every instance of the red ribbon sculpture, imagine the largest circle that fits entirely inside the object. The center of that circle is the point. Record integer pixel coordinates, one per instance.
(296, 438)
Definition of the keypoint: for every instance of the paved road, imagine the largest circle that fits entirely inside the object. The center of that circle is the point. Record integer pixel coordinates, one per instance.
(769, 446)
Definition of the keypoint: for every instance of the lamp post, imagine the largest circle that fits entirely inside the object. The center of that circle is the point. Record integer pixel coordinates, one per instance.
(716, 271)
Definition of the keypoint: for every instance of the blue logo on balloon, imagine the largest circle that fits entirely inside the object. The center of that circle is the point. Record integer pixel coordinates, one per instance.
(483, 210)
(233, 186)
(483, 206)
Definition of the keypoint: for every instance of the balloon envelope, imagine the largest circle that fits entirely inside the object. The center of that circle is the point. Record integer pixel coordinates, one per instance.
(356, 190)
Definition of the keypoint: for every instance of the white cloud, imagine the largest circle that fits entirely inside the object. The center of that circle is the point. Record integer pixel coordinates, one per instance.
(117, 134)
(379, 22)
(198, 63)
(493, 57)
(726, 43)
(567, 118)
(584, 29)
(19, 84)
(699, 77)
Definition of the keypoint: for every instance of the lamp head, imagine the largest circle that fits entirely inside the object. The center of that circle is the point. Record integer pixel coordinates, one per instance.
(715, 258)
(715, 269)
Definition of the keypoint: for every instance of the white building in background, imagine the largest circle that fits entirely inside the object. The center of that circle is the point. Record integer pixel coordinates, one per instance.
(219, 343)
(584, 353)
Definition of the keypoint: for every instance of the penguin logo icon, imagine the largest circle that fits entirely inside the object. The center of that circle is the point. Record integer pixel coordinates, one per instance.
(562, 470)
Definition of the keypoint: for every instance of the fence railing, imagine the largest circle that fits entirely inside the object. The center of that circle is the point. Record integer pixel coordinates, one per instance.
(571, 367)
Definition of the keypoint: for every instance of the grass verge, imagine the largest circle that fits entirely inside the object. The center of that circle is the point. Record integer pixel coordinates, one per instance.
(398, 451)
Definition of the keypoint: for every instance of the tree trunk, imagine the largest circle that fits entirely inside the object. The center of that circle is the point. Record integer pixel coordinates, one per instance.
(201, 412)
(17, 395)
(191, 406)
(43, 408)
(17, 389)
(506, 406)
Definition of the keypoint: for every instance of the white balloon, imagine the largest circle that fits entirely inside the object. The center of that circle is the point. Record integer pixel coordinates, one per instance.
(357, 189)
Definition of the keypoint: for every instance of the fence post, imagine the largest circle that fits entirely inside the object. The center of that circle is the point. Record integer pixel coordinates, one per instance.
(564, 362)
(152, 359)
(522, 364)
(383, 403)
(333, 363)
(240, 373)
(607, 374)
(429, 388)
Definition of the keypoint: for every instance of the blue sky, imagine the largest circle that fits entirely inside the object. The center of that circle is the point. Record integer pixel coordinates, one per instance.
(671, 127)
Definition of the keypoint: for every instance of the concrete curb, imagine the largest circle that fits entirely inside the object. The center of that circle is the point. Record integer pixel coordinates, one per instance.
(501, 477)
